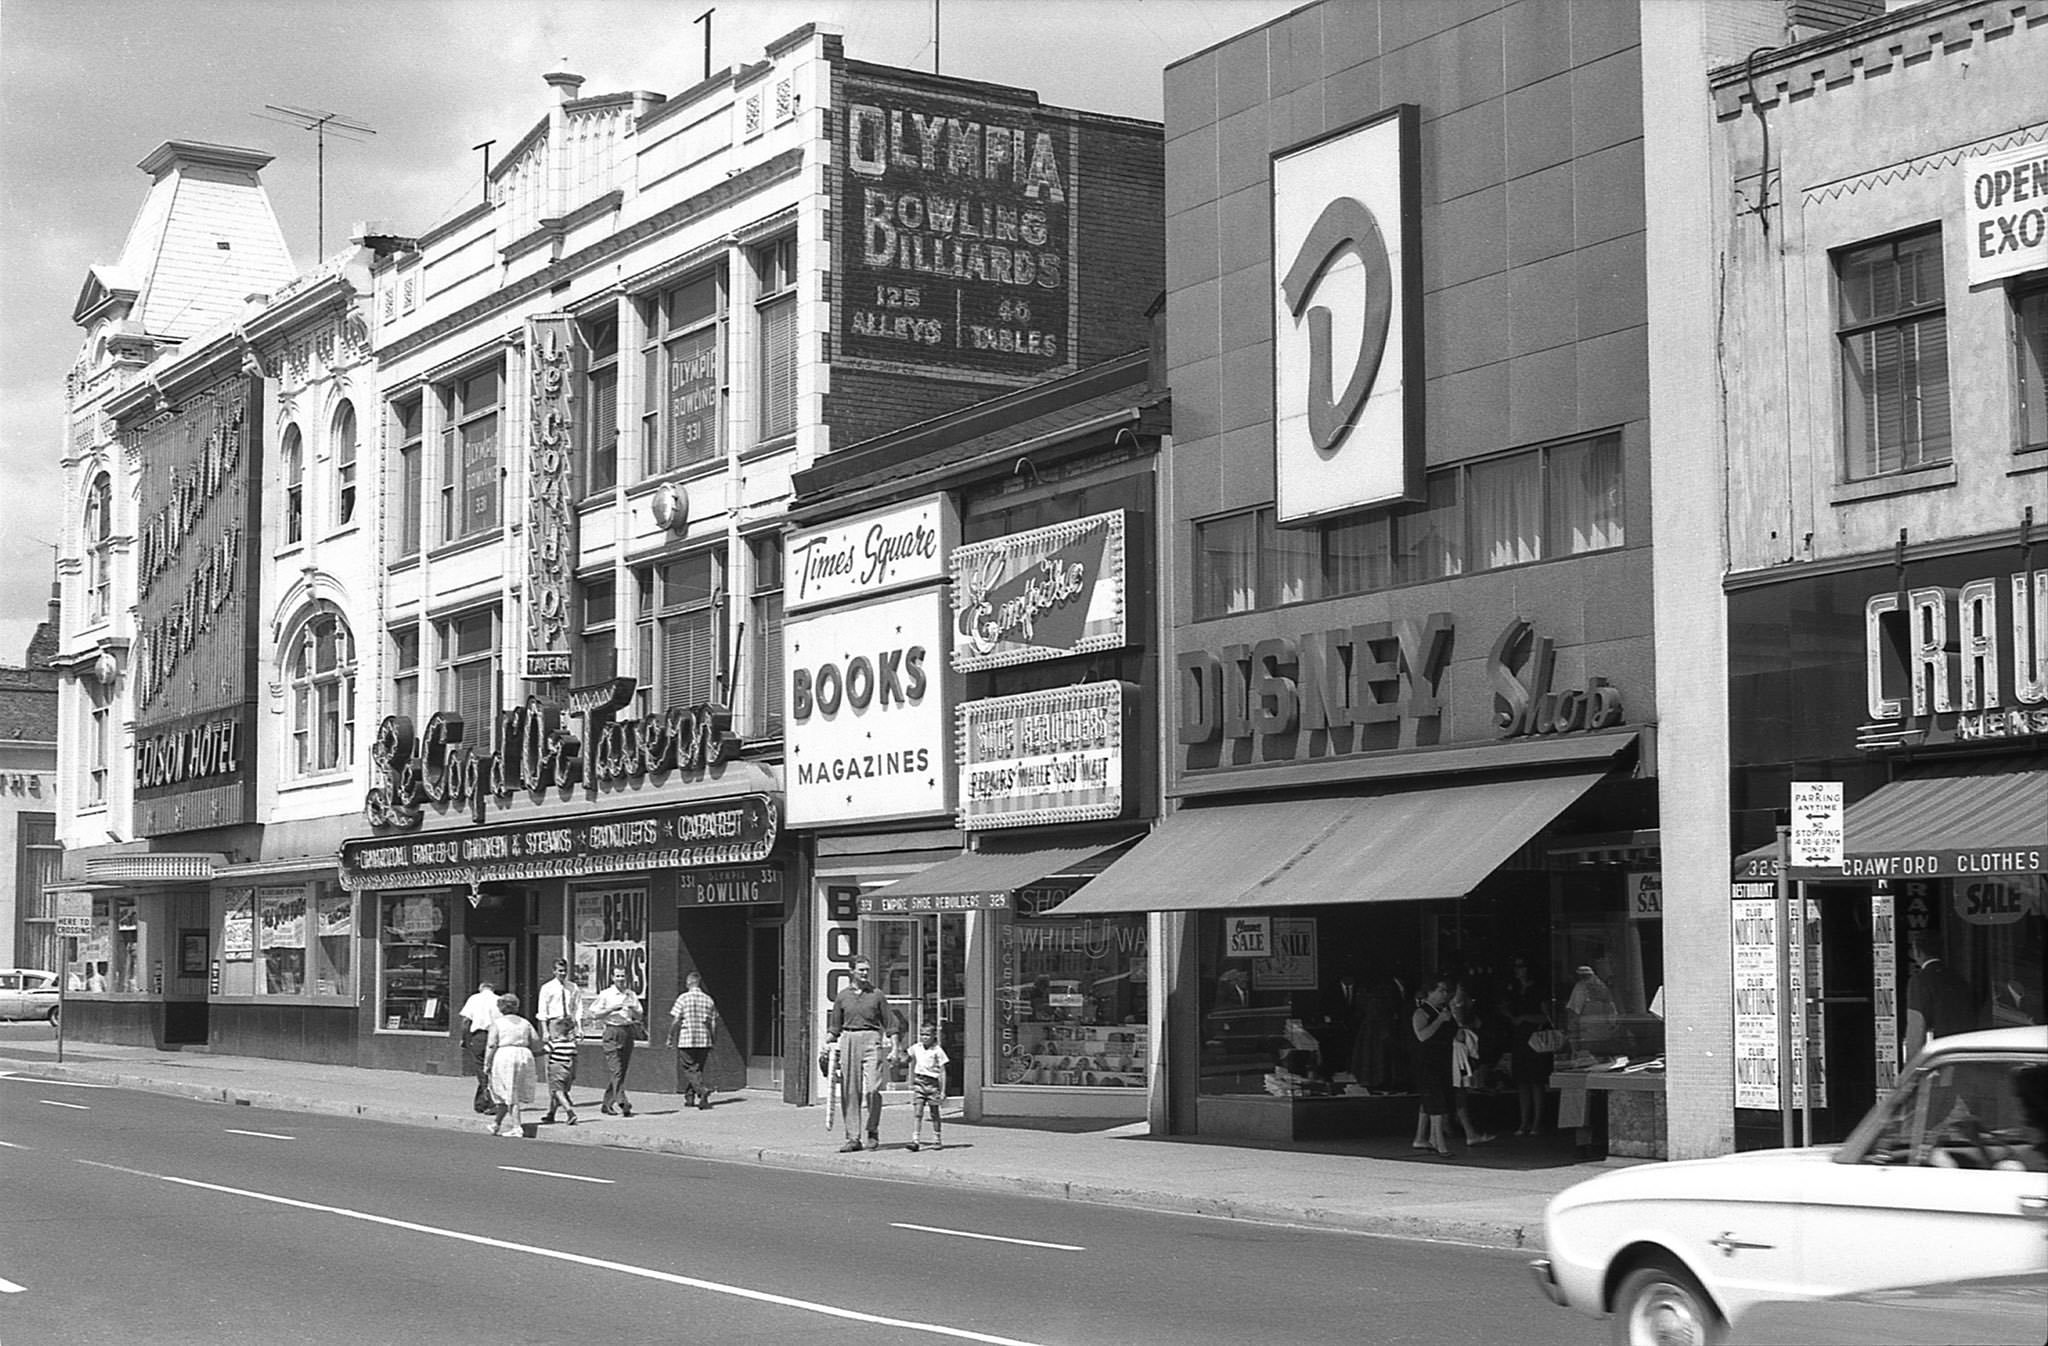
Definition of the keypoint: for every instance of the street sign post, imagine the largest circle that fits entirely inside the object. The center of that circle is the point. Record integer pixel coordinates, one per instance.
(1817, 824)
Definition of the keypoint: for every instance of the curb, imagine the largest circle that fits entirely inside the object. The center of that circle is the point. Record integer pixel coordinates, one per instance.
(1501, 1235)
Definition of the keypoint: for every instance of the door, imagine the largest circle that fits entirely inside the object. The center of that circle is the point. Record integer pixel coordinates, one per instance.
(921, 965)
(762, 1030)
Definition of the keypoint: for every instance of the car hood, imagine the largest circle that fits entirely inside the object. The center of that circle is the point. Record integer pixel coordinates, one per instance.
(1759, 1174)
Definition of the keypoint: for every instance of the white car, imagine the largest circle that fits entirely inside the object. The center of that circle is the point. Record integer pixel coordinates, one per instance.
(28, 993)
(1943, 1185)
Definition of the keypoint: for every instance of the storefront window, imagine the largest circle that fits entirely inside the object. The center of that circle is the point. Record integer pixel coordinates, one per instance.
(281, 939)
(412, 955)
(334, 943)
(1609, 970)
(110, 958)
(238, 943)
(608, 930)
(1071, 1009)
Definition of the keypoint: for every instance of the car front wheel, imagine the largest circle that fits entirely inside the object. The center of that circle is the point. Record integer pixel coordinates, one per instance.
(1659, 1304)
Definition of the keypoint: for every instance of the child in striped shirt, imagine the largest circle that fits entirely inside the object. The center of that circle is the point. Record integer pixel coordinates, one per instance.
(561, 1046)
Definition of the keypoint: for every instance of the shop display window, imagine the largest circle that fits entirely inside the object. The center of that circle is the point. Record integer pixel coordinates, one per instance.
(110, 959)
(608, 929)
(412, 962)
(281, 940)
(1071, 1009)
(333, 949)
(1607, 972)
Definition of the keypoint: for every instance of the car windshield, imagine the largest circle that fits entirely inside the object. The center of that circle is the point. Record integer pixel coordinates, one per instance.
(1955, 1114)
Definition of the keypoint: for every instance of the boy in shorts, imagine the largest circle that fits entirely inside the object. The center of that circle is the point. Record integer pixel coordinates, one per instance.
(927, 1085)
(561, 1045)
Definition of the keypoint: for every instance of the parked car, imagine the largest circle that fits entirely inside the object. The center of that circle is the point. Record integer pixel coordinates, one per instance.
(1939, 1193)
(28, 993)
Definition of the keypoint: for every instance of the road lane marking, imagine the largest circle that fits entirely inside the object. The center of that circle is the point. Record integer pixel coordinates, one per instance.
(544, 1173)
(260, 1135)
(60, 1084)
(992, 1238)
(10, 1288)
(53, 1103)
(11, 1145)
(578, 1259)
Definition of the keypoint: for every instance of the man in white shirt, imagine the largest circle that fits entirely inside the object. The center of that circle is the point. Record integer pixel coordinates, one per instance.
(560, 997)
(618, 1010)
(478, 1013)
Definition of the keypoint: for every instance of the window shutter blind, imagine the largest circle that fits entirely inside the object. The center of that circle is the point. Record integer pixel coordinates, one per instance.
(778, 368)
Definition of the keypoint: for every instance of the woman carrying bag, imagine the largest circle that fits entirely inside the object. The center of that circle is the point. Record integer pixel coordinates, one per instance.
(1533, 1047)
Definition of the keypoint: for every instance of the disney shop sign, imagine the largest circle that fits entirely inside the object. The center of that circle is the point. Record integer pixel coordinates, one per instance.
(540, 746)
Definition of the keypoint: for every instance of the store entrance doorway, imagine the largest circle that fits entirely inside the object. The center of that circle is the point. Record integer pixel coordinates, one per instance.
(921, 965)
(761, 1032)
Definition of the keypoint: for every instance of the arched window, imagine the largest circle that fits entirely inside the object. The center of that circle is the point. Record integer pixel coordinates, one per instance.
(293, 456)
(322, 664)
(344, 465)
(99, 558)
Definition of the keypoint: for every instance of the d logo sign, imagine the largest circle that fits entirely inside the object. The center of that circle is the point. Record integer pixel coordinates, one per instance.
(1344, 226)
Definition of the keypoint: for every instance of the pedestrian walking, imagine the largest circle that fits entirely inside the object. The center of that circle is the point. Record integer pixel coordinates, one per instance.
(618, 1010)
(509, 1062)
(868, 1034)
(478, 1013)
(560, 996)
(1431, 1030)
(695, 1028)
(927, 1086)
(1465, 1063)
(561, 1047)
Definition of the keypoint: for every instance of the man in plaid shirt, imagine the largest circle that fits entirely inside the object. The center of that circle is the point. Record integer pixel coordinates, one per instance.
(696, 1020)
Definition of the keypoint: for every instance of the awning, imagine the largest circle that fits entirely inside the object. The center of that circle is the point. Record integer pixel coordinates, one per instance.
(1956, 820)
(982, 879)
(1406, 845)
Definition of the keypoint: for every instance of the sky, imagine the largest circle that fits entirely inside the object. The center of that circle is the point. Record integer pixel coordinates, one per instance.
(90, 87)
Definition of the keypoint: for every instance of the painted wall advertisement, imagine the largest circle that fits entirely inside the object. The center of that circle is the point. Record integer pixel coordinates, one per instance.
(1042, 757)
(957, 236)
(866, 712)
(1042, 594)
(195, 632)
(608, 930)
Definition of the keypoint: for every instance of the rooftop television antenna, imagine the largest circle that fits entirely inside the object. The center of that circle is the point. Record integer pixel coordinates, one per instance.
(322, 124)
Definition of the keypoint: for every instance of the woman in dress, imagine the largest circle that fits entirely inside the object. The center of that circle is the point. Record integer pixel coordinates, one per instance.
(1465, 1061)
(508, 1062)
(1433, 1029)
(1529, 1011)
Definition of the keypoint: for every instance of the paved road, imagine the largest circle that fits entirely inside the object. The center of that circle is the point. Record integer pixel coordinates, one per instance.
(134, 1217)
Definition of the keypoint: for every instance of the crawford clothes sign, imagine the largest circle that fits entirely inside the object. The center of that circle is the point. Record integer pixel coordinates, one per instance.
(1958, 665)
(2005, 212)
(1347, 319)
(956, 235)
(868, 555)
(193, 669)
(866, 711)
(1042, 594)
(1043, 757)
(736, 831)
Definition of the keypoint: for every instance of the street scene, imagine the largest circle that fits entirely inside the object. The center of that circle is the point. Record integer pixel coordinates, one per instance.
(1030, 671)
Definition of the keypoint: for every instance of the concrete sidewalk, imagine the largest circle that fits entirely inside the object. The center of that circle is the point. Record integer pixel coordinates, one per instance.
(1492, 1195)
